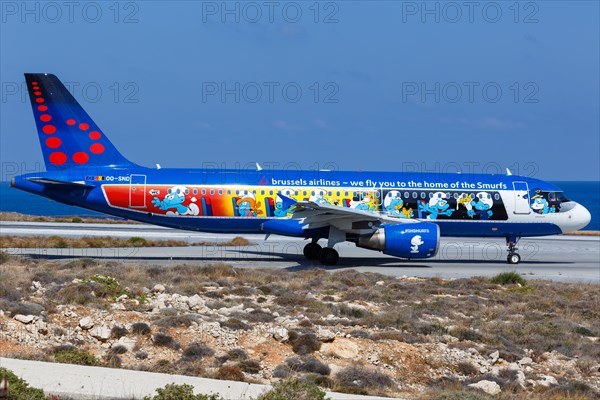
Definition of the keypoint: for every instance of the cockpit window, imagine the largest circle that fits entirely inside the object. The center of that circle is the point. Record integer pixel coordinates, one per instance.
(561, 198)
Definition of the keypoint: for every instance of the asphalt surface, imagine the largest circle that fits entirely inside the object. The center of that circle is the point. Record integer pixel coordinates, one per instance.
(561, 258)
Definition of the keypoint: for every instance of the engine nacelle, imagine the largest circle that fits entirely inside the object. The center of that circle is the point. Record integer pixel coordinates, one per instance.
(409, 240)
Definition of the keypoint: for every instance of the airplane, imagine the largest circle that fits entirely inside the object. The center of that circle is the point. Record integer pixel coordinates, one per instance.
(400, 214)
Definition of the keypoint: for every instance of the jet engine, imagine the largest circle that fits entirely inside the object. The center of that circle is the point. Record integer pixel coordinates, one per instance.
(408, 240)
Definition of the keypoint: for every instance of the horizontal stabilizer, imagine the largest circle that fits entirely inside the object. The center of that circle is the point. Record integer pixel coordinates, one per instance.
(57, 184)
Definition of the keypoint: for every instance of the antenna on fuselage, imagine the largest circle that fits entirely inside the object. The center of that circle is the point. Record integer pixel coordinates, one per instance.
(508, 172)
(258, 167)
(158, 166)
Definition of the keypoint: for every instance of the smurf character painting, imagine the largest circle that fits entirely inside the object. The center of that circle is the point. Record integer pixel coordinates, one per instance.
(279, 210)
(415, 242)
(481, 207)
(318, 196)
(363, 201)
(175, 199)
(540, 205)
(438, 205)
(393, 205)
(247, 205)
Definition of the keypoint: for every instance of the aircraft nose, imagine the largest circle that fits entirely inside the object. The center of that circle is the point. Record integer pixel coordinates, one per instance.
(582, 216)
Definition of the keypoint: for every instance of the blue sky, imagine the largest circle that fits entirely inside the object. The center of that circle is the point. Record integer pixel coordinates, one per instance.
(384, 85)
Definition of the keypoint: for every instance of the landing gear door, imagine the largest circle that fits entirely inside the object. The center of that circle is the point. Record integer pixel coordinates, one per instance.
(137, 191)
(521, 191)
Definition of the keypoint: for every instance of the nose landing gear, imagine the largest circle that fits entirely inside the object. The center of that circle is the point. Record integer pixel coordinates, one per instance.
(513, 256)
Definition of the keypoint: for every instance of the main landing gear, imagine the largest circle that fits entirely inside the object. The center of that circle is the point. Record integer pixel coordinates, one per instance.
(325, 255)
(513, 256)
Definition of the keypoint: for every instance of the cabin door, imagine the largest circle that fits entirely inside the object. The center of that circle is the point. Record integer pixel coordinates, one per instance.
(137, 191)
(521, 191)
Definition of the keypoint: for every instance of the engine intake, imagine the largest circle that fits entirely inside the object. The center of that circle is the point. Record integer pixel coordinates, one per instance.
(410, 240)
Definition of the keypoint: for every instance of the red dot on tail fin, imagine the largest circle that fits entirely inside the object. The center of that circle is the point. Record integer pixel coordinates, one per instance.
(80, 157)
(58, 158)
(53, 142)
(95, 135)
(97, 148)
(49, 129)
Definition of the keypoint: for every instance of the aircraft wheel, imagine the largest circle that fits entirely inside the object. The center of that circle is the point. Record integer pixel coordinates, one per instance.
(329, 256)
(312, 251)
(513, 258)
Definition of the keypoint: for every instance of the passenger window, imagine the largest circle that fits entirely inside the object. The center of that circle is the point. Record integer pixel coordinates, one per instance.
(415, 195)
(220, 191)
(423, 195)
(195, 191)
(212, 191)
(203, 191)
(406, 195)
(496, 196)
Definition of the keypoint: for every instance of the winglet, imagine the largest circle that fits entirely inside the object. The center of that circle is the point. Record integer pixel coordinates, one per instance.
(287, 202)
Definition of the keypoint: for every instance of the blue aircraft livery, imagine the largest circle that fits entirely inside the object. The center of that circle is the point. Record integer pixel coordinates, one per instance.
(400, 214)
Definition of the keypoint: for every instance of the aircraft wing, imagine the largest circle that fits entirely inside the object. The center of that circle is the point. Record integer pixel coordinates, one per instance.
(313, 215)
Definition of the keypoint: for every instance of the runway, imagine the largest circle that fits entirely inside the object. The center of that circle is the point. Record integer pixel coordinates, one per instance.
(561, 258)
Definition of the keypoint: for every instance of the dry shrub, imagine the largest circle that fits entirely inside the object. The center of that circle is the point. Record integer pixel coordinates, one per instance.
(307, 364)
(140, 328)
(466, 368)
(249, 366)
(229, 373)
(164, 340)
(197, 351)
(304, 342)
(357, 379)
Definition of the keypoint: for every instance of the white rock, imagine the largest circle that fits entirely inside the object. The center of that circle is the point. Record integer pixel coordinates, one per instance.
(195, 302)
(86, 323)
(525, 361)
(158, 288)
(281, 334)
(325, 335)
(490, 387)
(129, 343)
(101, 333)
(520, 379)
(26, 319)
(380, 283)
(547, 380)
(121, 298)
(341, 348)
(494, 357)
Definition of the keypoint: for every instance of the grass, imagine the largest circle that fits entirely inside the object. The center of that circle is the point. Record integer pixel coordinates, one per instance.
(18, 388)
(509, 278)
(173, 391)
(71, 355)
(293, 389)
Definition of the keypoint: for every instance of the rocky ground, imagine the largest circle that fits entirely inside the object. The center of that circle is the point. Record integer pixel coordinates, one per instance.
(346, 331)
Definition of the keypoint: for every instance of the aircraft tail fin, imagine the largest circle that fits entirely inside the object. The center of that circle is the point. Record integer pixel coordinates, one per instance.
(68, 136)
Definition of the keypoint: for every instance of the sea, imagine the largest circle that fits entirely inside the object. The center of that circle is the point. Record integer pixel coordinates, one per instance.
(586, 193)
